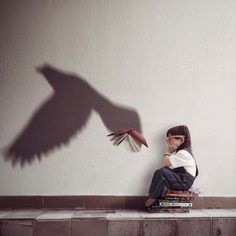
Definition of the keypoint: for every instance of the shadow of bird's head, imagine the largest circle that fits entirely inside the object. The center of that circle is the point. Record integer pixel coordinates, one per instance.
(61, 82)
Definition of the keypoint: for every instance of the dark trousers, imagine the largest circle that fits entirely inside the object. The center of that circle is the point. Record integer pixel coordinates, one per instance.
(167, 178)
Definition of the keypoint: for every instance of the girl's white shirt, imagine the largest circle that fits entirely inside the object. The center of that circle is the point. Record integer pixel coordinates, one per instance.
(184, 159)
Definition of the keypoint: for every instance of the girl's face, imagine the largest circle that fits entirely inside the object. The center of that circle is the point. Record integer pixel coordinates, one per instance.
(175, 139)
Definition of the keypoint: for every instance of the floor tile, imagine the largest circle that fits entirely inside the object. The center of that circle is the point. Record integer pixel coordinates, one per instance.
(16, 227)
(5, 213)
(193, 213)
(52, 228)
(220, 212)
(197, 227)
(232, 210)
(91, 214)
(123, 214)
(89, 227)
(163, 227)
(224, 226)
(157, 215)
(56, 215)
(124, 227)
(24, 214)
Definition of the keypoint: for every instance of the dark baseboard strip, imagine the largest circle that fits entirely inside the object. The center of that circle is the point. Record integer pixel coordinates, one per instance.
(108, 202)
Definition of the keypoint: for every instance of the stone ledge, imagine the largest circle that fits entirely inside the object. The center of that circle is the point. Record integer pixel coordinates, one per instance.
(117, 222)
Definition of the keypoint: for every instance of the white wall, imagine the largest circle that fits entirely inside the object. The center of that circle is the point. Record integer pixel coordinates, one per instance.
(171, 61)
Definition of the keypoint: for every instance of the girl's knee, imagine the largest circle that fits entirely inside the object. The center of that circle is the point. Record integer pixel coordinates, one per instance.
(156, 173)
(164, 171)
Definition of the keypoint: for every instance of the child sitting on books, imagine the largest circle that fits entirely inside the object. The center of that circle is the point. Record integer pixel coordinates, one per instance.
(180, 169)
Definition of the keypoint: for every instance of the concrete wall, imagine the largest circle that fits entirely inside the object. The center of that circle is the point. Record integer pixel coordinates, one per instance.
(153, 64)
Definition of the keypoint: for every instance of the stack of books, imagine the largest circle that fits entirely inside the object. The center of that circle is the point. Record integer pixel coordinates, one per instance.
(174, 201)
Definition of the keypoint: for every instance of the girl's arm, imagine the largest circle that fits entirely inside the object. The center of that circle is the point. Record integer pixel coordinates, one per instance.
(166, 160)
(171, 148)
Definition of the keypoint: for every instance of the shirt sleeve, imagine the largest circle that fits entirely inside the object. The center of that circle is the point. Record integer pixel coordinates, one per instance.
(180, 159)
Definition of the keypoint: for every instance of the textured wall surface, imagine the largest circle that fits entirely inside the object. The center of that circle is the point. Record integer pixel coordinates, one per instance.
(72, 71)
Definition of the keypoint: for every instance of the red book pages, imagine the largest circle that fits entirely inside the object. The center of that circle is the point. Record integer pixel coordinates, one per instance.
(135, 138)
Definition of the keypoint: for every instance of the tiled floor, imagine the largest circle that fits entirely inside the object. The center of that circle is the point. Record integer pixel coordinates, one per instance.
(117, 222)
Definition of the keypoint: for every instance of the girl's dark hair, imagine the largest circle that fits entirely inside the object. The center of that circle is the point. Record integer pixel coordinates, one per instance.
(182, 130)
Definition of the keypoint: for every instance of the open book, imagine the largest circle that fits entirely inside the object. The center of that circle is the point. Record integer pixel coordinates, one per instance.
(135, 139)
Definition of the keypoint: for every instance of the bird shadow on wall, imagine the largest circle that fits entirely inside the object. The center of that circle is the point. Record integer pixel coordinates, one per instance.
(63, 115)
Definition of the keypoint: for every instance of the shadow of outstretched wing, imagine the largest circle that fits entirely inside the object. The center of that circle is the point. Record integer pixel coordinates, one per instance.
(63, 115)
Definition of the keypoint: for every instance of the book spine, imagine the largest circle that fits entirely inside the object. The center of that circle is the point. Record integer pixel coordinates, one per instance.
(174, 201)
(176, 204)
(138, 137)
(179, 195)
(179, 192)
(178, 198)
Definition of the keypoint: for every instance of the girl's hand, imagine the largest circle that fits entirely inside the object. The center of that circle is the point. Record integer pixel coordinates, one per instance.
(172, 147)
